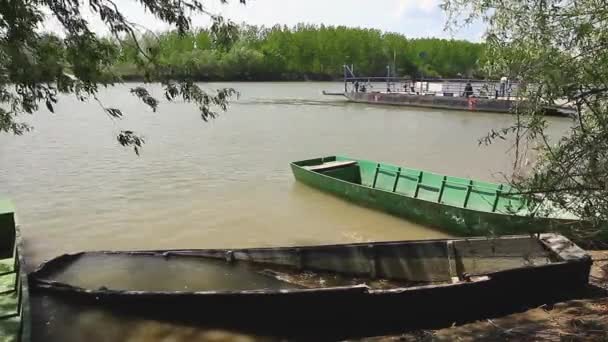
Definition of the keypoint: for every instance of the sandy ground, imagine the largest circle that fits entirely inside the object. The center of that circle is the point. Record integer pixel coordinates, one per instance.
(584, 319)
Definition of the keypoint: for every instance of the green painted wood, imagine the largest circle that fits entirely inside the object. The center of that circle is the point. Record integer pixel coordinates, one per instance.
(417, 190)
(441, 189)
(376, 175)
(498, 193)
(25, 328)
(397, 179)
(459, 206)
(467, 194)
(14, 291)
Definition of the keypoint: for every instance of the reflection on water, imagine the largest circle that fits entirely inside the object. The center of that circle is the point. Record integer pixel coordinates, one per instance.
(292, 102)
(227, 183)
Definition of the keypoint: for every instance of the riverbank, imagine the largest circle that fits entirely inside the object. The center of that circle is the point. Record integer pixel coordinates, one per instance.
(130, 73)
(582, 319)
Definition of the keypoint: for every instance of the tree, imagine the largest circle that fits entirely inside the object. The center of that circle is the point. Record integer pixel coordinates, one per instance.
(557, 49)
(302, 52)
(35, 68)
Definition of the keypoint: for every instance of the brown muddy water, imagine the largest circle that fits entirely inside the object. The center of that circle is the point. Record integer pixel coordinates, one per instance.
(222, 184)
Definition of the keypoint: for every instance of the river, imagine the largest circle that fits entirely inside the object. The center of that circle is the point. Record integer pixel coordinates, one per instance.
(225, 183)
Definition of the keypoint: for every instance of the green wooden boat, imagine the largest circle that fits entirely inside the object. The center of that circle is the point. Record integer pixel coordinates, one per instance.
(15, 317)
(459, 206)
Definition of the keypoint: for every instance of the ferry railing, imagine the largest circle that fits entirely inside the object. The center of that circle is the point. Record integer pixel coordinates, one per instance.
(428, 86)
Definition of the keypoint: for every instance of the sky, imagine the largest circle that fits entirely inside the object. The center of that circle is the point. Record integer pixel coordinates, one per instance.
(413, 18)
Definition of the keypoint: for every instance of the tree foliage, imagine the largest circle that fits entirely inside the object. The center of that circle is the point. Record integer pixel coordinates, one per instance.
(304, 52)
(35, 68)
(558, 51)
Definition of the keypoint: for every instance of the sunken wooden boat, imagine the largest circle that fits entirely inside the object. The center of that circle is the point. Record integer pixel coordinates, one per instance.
(407, 284)
(459, 206)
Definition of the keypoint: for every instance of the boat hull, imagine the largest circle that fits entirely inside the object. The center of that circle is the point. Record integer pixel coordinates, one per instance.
(446, 102)
(454, 220)
(349, 312)
(353, 310)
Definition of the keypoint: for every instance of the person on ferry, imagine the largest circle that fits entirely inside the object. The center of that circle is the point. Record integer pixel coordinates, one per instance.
(468, 90)
(413, 87)
(503, 85)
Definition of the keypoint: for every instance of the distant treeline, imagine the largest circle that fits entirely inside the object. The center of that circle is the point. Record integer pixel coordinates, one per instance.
(304, 52)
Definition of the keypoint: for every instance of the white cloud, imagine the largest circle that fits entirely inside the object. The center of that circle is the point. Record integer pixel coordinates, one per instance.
(424, 6)
(413, 18)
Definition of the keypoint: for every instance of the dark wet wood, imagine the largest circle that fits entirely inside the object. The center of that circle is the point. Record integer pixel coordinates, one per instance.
(399, 263)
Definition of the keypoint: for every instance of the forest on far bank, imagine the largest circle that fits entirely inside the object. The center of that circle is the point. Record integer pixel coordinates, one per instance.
(303, 52)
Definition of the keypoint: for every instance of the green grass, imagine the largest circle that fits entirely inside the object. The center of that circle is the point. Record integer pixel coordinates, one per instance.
(8, 303)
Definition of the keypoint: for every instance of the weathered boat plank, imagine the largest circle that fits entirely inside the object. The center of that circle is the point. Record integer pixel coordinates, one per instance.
(461, 279)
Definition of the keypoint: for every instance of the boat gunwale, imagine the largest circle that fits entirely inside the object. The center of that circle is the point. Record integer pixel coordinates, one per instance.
(319, 174)
(559, 246)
